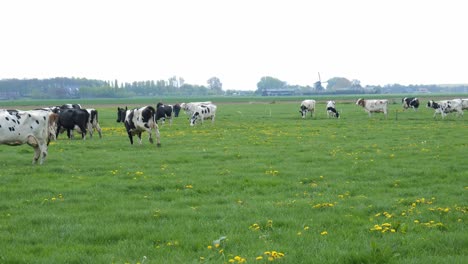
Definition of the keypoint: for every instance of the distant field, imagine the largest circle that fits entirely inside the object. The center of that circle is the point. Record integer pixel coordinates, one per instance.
(278, 188)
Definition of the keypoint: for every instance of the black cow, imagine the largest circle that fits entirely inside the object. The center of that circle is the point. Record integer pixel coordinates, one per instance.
(410, 102)
(138, 120)
(69, 118)
(164, 111)
(176, 110)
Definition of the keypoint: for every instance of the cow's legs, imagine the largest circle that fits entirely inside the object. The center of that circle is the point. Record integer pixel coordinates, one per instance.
(158, 142)
(83, 132)
(139, 137)
(130, 137)
(98, 128)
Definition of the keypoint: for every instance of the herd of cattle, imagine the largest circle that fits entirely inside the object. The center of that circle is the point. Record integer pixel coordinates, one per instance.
(442, 107)
(38, 127)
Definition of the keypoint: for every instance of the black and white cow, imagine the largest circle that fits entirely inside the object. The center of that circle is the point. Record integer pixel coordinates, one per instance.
(410, 102)
(202, 112)
(92, 124)
(139, 120)
(69, 118)
(307, 106)
(331, 109)
(189, 108)
(26, 127)
(446, 106)
(163, 112)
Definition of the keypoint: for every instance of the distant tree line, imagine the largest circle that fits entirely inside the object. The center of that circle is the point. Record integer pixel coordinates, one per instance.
(175, 86)
(88, 88)
(338, 85)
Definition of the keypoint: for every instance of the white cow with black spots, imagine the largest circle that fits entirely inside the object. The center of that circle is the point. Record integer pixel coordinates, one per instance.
(307, 106)
(26, 127)
(203, 111)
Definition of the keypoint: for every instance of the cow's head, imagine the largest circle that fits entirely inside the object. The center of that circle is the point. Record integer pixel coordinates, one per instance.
(432, 104)
(121, 112)
(360, 102)
(303, 111)
(194, 118)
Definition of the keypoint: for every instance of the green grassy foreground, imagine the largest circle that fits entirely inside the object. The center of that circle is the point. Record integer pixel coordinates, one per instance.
(279, 188)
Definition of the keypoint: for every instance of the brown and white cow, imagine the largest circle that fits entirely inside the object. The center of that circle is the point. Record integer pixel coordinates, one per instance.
(139, 120)
(307, 106)
(374, 106)
(26, 127)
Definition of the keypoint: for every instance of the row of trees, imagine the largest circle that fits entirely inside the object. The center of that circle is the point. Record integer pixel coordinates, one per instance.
(86, 88)
(176, 86)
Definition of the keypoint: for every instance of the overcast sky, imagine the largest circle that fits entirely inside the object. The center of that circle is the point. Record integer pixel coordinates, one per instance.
(238, 41)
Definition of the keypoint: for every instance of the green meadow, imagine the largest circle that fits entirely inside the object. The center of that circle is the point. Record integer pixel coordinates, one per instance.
(260, 185)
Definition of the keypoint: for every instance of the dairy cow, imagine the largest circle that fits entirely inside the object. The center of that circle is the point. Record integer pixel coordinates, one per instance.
(139, 120)
(26, 127)
(374, 106)
(444, 107)
(307, 106)
(202, 112)
(163, 112)
(410, 102)
(69, 118)
(331, 109)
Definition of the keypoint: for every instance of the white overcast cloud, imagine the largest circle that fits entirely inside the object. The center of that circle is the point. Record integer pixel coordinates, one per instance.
(376, 42)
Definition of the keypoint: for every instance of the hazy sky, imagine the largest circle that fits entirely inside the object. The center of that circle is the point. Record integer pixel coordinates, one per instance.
(238, 41)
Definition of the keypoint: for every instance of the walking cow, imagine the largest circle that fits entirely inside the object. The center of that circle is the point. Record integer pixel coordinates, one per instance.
(374, 106)
(26, 127)
(71, 117)
(139, 120)
(201, 112)
(410, 102)
(163, 112)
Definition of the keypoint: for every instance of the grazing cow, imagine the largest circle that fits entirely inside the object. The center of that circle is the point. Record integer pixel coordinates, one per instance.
(374, 106)
(26, 127)
(164, 111)
(190, 107)
(410, 102)
(446, 106)
(331, 109)
(202, 112)
(69, 118)
(307, 106)
(139, 120)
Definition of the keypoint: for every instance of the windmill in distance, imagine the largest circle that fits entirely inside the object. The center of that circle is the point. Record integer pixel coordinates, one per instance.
(318, 85)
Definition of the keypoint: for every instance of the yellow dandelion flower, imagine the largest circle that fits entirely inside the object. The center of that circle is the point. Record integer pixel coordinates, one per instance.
(209, 247)
(324, 233)
(259, 258)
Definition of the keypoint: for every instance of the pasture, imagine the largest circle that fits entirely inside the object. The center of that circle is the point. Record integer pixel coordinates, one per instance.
(267, 184)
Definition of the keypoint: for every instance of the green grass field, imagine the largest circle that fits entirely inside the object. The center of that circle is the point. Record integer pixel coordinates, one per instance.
(279, 188)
